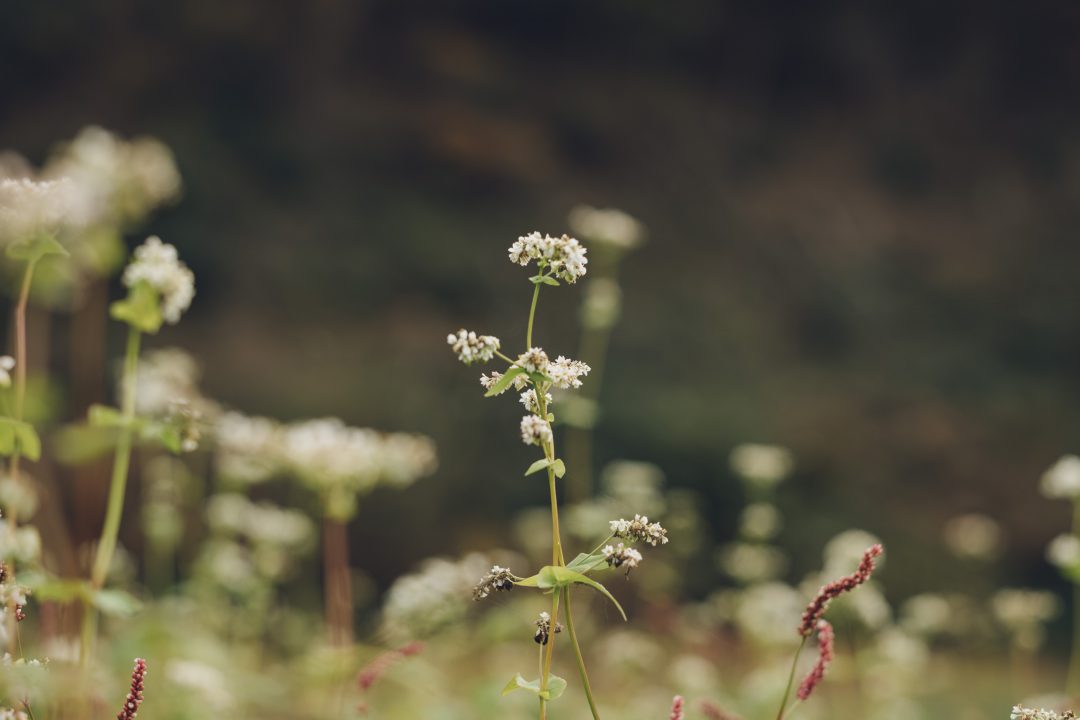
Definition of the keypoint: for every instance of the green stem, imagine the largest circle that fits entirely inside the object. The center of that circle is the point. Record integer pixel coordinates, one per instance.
(550, 647)
(20, 401)
(577, 653)
(118, 485)
(532, 314)
(1073, 680)
(791, 679)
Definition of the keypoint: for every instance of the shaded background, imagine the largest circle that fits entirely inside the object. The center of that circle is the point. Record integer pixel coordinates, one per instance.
(862, 236)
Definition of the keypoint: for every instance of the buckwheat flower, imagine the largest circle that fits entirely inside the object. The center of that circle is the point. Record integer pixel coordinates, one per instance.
(825, 657)
(1023, 713)
(158, 265)
(607, 226)
(534, 360)
(31, 208)
(1064, 551)
(1062, 481)
(761, 465)
(528, 399)
(565, 373)
(570, 260)
(974, 536)
(619, 555)
(639, 529)
(543, 629)
(488, 381)
(564, 255)
(535, 430)
(677, 708)
(498, 578)
(471, 347)
(760, 521)
(135, 695)
(828, 592)
(7, 364)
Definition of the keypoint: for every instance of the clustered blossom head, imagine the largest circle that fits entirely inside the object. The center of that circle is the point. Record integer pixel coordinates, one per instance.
(825, 595)
(825, 657)
(609, 226)
(158, 265)
(640, 529)
(1062, 481)
(535, 430)
(565, 373)
(543, 629)
(1023, 713)
(7, 364)
(471, 348)
(528, 399)
(677, 704)
(564, 255)
(534, 360)
(135, 695)
(619, 555)
(30, 208)
(498, 578)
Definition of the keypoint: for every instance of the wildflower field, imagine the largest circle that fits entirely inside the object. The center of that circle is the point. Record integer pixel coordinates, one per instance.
(461, 361)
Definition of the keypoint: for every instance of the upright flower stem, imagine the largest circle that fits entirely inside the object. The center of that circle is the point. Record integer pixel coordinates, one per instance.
(550, 648)
(532, 314)
(337, 586)
(19, 405)
(1073, 680)
(791, 680)
(577, 654)
(118, 485)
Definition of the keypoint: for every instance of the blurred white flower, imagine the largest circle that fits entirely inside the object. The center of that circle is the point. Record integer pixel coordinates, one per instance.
(7, 364)
(761, 465)
(247, 447)
(1062, 481)
(209, 684)
(973, 536)
(844, 551)
(760, 521)
(33, 208)
(158, 264)
(1023, 612)
(764, 613)
(927, 614)
(432, 598)
(1064, 551)
(752, 563)
(607, 226)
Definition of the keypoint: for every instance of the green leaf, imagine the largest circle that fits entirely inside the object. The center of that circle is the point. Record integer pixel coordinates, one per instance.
(531, 581)
(105, 416)
(116, 603)
(587, 563)
(36, 248)
(548, 280)
(539, 465)
(555, 688)
(556, 577)
(539, 378)
(77, 444)
(55, 589)
(504, 381)
(560, 468)
(18, 436)
(141, 308)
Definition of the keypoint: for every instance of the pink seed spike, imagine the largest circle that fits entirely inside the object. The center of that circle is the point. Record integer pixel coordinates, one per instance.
(825, 595)
(825, 656)
(135, 695)
(677, 708)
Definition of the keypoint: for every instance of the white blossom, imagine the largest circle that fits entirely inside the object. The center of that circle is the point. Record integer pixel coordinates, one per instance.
(1024, 713)
(1064, 551)
(157, 264)
(619, 555)
(1062, 481)
(973, 535)
(639, 529)
(564, 255)
(534, 360)
(535, 430)
(607, 226)
(528, 399)
(7, 364)
(471, 347)
(763, 465)
(565, 372)
(30, 208)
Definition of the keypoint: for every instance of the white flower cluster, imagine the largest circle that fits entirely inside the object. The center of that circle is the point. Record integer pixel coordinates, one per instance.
(1062, 481)
(9, 714)
(117, 181)
(619, 555)
(528, 399)
(535, 430)
(1023, 713)
(7, 364)
(157, 264)
(434, 597)
(639, 529)
(565, 373)
(564, 255)
(247, 447)
(533, 360)
(167, 377)
(29, 208)
(275, 537)
(1064, 551)
(471, 347)
(496, 579)
(607, 226)
(761, 465)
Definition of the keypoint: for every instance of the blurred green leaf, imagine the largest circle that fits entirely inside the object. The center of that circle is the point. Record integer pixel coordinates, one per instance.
(36, 248)
(116, 603)
(504, 381)
(141, 308)
(555, 688)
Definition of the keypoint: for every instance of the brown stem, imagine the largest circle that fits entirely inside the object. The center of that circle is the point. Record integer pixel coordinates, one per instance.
(337, 582)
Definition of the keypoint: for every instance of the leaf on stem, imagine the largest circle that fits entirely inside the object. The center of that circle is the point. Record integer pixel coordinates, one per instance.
(504, 381)
(555, 688)
(556, 577)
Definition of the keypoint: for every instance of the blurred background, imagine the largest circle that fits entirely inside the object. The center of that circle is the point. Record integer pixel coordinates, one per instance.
(861, 223)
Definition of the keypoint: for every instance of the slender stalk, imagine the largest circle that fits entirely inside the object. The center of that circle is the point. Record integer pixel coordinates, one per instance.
(790, 680)
(577, 654)
(1073, 680)
(337, 586)
(20, 402)
(532, 314)
(550, 647)
(122, 460)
